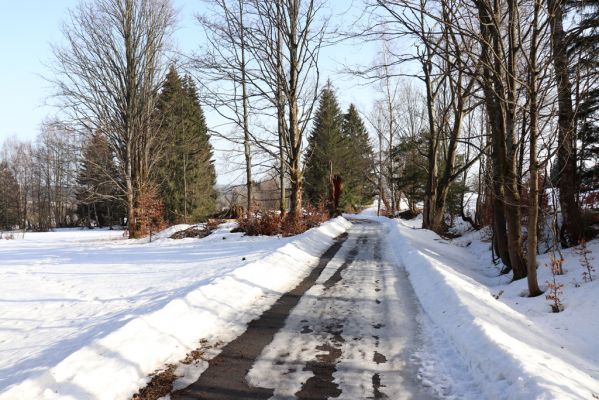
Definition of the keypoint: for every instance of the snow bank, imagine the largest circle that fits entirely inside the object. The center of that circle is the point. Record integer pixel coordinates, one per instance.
(509, 353)
(116, 365)
(171, 230)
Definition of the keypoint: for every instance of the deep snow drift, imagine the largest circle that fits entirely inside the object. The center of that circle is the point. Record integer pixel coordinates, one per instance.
(86, 315)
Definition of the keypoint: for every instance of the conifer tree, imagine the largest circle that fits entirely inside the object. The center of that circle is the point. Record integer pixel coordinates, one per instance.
(585, 48)
(339, 145)
(9, 198)
(359, 181)
(327, 150)
(411, 164)
(187, 176)
(98, 194)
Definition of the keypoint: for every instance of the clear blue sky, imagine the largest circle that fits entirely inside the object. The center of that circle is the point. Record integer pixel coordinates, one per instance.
(28, 27)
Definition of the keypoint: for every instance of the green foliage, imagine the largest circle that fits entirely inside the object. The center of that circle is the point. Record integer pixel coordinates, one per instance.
(589, 154)
(584, 42)
(338, 144)
(411, 163)
(360, 181)
(9, 198)
(186, 173)
(326, 150)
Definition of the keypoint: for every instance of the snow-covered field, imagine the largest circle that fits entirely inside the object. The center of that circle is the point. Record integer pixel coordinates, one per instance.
(514, 346)
(85, 314)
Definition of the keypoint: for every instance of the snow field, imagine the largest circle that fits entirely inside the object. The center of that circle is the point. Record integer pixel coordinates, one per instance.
(199, 290)
(514, 348)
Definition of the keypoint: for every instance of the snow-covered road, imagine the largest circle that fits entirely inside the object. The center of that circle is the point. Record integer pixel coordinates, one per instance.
(351, 336)
(393, 312)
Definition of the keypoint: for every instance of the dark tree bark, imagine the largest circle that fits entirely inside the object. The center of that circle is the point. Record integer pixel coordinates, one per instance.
(499, 90)
(533, 195)
(570, 233)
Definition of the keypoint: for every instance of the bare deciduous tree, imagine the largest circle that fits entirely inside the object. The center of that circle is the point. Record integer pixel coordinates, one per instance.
(291, 32)
(223, 74)
(108, 75)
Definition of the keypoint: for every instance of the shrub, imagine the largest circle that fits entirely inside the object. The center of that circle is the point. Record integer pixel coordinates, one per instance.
(555, 289)
(270, 223)
(585, 261)
(314, 216)
(148, 213)
(260, 223)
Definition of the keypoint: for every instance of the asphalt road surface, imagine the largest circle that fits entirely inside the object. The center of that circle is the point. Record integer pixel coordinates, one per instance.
(348, 331)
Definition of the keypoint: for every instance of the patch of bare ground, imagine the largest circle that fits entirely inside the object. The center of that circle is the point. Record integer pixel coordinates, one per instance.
(161, 382)
(159, 386)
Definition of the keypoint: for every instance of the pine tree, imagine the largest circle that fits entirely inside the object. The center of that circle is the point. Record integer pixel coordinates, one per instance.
(327, 151)
(186, 174)
(359, 177)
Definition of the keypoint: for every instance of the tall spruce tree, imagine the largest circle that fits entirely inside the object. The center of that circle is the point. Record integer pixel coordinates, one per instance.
(187, 174)
(327, 151)
(359, 176)
(339, 145)
(585, 49)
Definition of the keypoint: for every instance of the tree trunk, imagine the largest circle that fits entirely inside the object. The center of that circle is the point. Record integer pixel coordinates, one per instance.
(571, 233)
(246, 129)
(430, 196)
(533, 195)
(131, 226)
(380, 177)
(185, 188)
(281, 116)
(508, 151)
(503, 222)
(295, 171)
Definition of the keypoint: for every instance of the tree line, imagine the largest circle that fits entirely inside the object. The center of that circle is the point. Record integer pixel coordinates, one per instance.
(132, 142)
(144, 153)
(505, 109)
(484, 107)
(65, 178)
